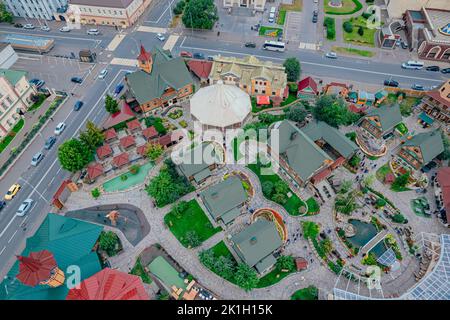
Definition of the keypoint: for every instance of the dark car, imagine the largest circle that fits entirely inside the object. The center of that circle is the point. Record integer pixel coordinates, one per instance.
(78, 105)
(446, 70)
(118, 88)
(36, 82)
(432, 68)
(199, 56)
(18, 25)
(314, 19)
(250, 45)
(2, 205)
(404, 45)
(76, 79)
(49, 142)
(391, 83)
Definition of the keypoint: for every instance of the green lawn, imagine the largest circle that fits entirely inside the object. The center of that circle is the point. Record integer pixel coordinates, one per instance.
(309, 293)
(138, 270)
(272, 277)
(8, 138)
(220, 250)
(382, 172)
(193, 219)
(401, 128)
(255, 108)
(270, 31)
(367, 39)
(348, 7)
(352, 51)
(281, 17)
(295, 6)
(38, 103)
(313, 206)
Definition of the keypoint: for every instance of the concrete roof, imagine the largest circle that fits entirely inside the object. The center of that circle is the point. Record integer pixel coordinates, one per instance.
(257, 241)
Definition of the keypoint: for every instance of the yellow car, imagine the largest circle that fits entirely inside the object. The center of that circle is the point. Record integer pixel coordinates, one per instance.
(12, 191)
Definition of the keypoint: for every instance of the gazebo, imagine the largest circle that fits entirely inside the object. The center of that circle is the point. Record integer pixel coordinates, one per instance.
(104, 151)
(127, 141)
(94, 171)
(121, 160)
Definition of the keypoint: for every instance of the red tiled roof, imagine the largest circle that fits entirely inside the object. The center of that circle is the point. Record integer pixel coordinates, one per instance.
(61, 189)
(134, 124)
(127, 141)
(110, 134)
(301, 263)
(355, 109)
(121, 159)
(94, 170)
(443, 177)
(308, 82)
(35, 268)
(165, 140)
(123, 115)
(338, 162)
(109, 284)
(144, 55)
(389, 178)
(142, 150)
(263, 100)
(436, 96)
(104, 151)
(201, 69)
(150, 132)
(321, 175)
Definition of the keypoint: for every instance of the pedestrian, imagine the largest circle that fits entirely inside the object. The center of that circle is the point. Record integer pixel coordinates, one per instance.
(51, 118)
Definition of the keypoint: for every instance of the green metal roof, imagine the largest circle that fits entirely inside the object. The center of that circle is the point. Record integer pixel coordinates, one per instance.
(71, 242)
(257, 241)
(229, 216)
(266, 263)
(389, 116)
(166, 72)
(426, 118)
(194, 160)
(381, 94)
(166, 273)
(13, 76)
(202, 175)
(430, 144)
(224, 196)
(317, 130)
(301, 153)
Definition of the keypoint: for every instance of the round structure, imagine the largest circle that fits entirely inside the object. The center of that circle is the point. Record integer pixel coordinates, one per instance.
(221, 106)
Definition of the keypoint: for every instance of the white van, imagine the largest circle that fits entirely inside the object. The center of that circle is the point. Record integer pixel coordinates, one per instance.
(272, 14)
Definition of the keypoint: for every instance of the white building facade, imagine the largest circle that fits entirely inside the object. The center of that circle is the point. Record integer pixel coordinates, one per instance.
(7, 56)
(42, 9)
(252, 4)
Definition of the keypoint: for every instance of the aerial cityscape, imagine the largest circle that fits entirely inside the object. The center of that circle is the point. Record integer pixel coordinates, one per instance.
(224, 150)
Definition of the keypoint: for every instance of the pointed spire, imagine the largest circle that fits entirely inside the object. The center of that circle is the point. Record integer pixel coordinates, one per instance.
(36, 268)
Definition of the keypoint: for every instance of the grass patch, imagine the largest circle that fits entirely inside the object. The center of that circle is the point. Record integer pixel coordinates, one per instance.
(281, 17)
(270, 31)
(366, 39)
(272, 277)
(401, 128)
(157, 123)
(138, 270)
(406, 105)
(193, 219)
(42, 97)
(353, 51)
(309, 293)
(296, 6)
(382, 172)
(8, 138)
(313, 206)
(348, 7)
(221, 250)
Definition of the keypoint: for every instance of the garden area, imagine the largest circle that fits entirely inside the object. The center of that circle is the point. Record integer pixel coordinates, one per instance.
(189, 224)
(10, 136)
(136, 175)
(308, 293)
(347, 7)
(356, 32)
(157, 123)
(407, 103)
(285, 266)
(38, 100)
(139, 270)
(401, 128)
(330, 24)
(257, 108)
(270, 31)
(110, 243)
(353, 51)
(421, 207)
(382, 172)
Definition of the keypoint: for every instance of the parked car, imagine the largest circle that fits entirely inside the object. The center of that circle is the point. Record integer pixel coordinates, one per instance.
(160, 37)
(37, 83)
(432, 68)
(185, 54)
(77, 106)
(391, 83)
(25, 207)
(331, 55)
(18, 25)
(12, 191)
(93, 32)
(103, 74)
(37, 158)
(2, 205)
(404, 45)
(199, 56)
(29, 26)
(49, 142)
(418, 87)
(60, 128)
(45, 28)
(315, 17)
(250, 45)
(446, 70)
(65, 29)
(118, 89)
(210, 58)
(76, 79)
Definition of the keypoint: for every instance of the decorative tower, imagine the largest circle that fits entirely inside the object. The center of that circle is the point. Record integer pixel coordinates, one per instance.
(145, 60)
(40, 268)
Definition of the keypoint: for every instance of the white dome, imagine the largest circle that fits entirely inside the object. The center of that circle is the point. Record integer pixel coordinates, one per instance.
(220, 105)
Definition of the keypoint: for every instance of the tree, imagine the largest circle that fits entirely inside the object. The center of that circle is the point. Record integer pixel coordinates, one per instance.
(285, 263)
(245, 276)
(348, 27)
(345, 186)
(154, 151)
(345, 203)
(267, 188)
(333, 110)
(178, 9)
(5, 16)
(111, 104)
(163, 189)
(279, 198)
(179, 208)
(292, 68)
(95, 193)
(401, 181)
(224, 266)
(200, 14)
(297, 114)
(93, 136)
(310, 229)
(361, 31)
(327, 245)
(107, 242)
(74, 155)
(207, 258)
(368, 180)
(192, 239)
(281, 187)
(399, 218)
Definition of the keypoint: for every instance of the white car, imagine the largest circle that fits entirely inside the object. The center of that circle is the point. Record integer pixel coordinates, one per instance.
(45, 28)
(103, 74)
(331, 55)
(93, 32)
(160, 37)
(65, 29)
(37, 158)
(25, 207)
(29, 26)
(60, 128)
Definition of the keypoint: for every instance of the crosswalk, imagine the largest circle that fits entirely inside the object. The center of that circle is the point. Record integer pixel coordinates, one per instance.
(124, 62)
(307, 46)
(152, 29)
(171, 41)
(115, 42)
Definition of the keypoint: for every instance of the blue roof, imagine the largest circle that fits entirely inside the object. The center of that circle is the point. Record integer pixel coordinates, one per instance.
(22, 39)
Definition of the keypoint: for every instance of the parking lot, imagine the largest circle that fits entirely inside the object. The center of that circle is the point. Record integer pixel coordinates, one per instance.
(56, 72)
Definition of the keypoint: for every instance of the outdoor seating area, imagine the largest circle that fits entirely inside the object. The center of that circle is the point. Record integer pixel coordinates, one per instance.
(421, 207)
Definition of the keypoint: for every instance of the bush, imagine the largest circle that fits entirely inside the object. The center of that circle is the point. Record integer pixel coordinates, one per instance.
(134, 169)
(361, 31)
(399, 218)
(293, 87)
(348, 27)
(329, 23)
(95, 193)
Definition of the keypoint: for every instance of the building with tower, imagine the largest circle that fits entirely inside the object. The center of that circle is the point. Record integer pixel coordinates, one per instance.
(161, 80)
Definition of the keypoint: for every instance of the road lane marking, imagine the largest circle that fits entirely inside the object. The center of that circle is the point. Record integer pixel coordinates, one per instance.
(151, 29)
(124, 62)
(12, 236)
(33, 188)
(313, 64)
(48, 36)
(169, 7)
(115, 42)
(4, 248)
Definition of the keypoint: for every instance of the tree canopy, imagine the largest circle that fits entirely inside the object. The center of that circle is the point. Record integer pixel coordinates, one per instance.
(200, 14)
(154, 151)
(111, 104)
(5, 16)
(297, 114)
(292, 67)
(93, 136)
(74, 155)
(333, 110)
(246, 277)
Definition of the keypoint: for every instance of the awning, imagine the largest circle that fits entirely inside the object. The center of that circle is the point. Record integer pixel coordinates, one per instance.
(265, 263)
(229, 216)
(263, 100)
(426, 118)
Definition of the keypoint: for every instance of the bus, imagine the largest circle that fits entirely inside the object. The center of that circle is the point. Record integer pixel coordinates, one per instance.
(274, 46)
(412, 65)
